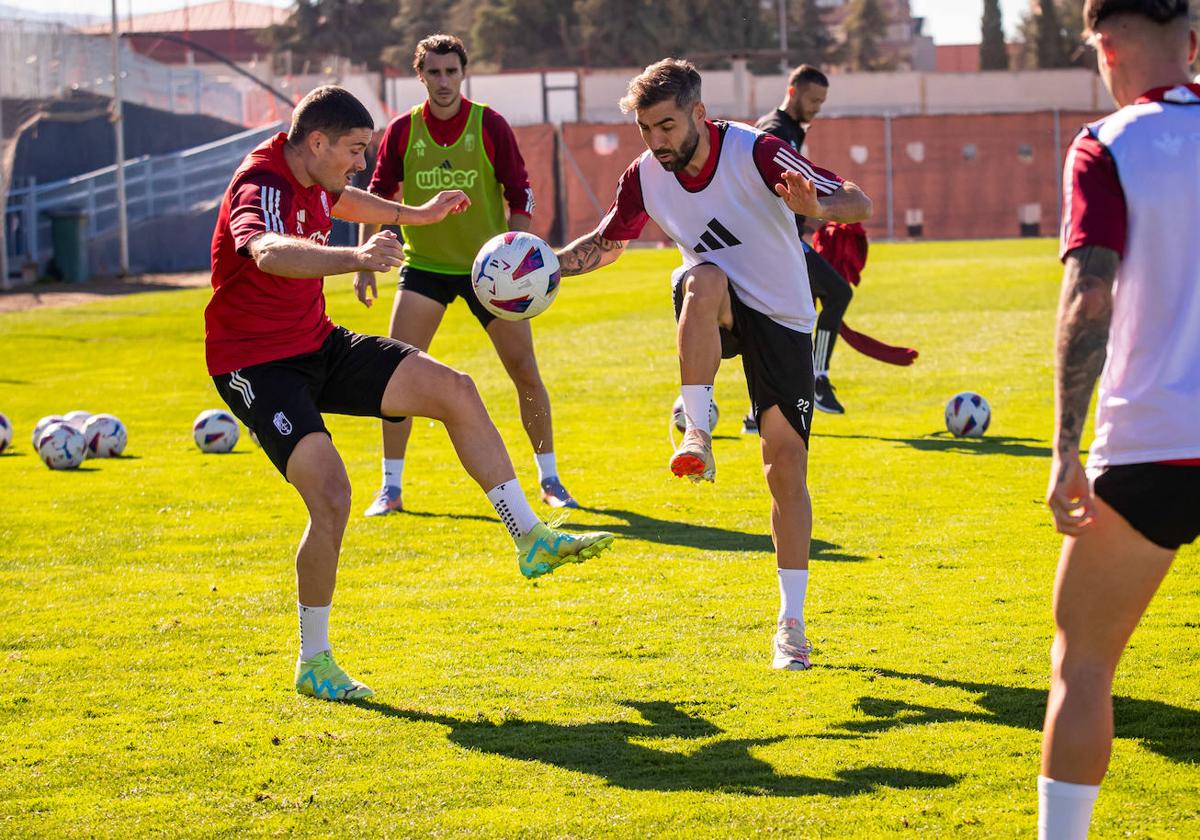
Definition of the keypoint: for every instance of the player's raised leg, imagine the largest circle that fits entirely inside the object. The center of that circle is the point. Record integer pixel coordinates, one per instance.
(424, 387)
(514, 345)
(1106, 578)
(316, 471)
(785, 465)
(706, 309)
(415, 319)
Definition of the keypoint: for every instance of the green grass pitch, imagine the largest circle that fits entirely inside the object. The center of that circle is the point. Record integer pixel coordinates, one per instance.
(148, 622)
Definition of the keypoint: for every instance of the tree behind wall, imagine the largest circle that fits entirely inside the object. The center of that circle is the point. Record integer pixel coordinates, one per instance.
(865, 27)
(1044, 41)
(516, 34)
(809, 40)
(320, 29)
(993, 52)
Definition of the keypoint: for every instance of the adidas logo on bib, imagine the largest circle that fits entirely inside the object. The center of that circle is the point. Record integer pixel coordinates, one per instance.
(716, 237)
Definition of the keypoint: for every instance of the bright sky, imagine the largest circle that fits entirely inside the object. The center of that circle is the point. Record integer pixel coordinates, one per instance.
(948, 21)
(957, 21)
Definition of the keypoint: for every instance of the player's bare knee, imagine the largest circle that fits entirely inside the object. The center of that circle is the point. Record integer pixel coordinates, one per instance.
(329, 502)
(525, 375)
(459, 393)
(786, 470)
(706, 284)
(1089, 673)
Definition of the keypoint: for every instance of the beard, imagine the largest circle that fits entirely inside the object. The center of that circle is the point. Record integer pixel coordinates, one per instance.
(683, 156)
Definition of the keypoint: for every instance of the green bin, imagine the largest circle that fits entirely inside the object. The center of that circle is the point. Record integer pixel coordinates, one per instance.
(68, 235)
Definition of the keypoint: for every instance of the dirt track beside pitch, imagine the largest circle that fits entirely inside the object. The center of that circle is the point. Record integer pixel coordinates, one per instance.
(49, 295)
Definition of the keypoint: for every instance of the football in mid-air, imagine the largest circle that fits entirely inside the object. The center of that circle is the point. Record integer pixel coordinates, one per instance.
(5, 433)
(105, 436)
(215, 431)
(515, 276)
(61, 446)
(681, 422)
(968, 415)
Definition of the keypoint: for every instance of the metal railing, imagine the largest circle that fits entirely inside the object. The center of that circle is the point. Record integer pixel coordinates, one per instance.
(174, 184)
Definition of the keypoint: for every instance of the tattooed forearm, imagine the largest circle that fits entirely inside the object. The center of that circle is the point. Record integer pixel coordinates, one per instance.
(1084, 315)
(589, 253)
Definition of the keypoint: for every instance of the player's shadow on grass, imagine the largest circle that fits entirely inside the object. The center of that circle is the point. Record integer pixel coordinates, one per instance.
(945, 442)
(669, 532)
(704, 537)
(606, 749)
(1170, 731)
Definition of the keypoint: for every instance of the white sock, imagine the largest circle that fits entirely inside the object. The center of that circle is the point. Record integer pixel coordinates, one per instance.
(509, 501)
(547, 466)
(793, 586)
(697, 401)
(393, 469)
(314, 630)
(1064, 809)
(817, 374)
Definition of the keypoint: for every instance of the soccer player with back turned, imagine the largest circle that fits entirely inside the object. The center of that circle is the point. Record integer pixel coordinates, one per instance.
(450, 141)
(280, 363)
(1129, 315)
(727, 195)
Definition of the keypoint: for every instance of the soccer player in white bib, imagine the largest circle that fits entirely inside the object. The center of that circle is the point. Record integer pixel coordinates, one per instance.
(727, 194)
(1130, 315)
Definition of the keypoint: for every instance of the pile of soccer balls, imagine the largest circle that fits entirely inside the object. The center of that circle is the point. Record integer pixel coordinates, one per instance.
(64, 441)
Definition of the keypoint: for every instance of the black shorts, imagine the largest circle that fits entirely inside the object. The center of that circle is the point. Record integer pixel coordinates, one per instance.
(282, 401)
(777, 360)
(1160, 501)
(444, 288)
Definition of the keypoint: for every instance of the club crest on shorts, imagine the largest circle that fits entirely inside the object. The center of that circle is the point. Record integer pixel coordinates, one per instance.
(283, 424)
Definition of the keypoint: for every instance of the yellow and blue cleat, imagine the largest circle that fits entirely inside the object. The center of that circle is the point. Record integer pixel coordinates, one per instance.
(544, 549)
(319, 676)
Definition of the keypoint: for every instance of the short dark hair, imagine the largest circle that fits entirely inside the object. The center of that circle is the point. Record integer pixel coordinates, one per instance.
(808, 75)
(439, 44)
(671, 78)
(331, 110)
(1159, 11)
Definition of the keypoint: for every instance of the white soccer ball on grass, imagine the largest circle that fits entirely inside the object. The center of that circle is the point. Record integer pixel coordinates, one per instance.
(44, 424)
(77, 418)
(61, 446)
(105, 436)
(215, 431)
(968, 415)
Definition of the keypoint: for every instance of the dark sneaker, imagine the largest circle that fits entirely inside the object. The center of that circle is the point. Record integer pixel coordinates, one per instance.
(825, 400)
(555, 495)
(749, 425)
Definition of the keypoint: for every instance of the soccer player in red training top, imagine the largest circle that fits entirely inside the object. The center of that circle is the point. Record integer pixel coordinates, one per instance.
(726, 194)
(1130, 315)
(279, 362)
(451, 141)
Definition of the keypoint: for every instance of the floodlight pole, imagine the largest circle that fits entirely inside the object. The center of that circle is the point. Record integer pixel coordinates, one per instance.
(783, 44)
(119, 134)
(4, 177)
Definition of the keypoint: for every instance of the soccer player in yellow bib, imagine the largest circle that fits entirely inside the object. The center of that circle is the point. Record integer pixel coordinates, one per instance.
(451, 140)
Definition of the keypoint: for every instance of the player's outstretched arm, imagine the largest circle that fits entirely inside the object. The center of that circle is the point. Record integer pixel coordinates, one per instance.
(292, 256)
(1084, 317)
(589, 252)
(355, 205)
(847, 204)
